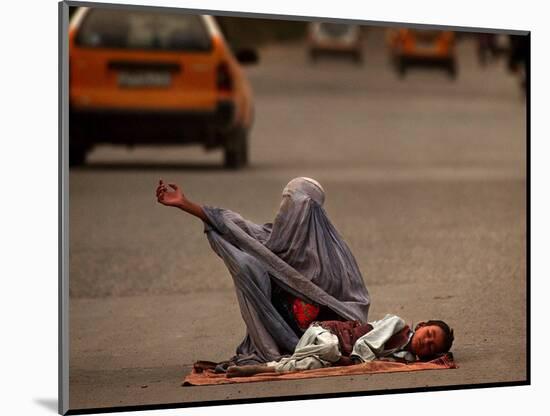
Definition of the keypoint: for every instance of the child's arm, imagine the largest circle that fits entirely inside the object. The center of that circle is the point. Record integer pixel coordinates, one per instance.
(176, 198)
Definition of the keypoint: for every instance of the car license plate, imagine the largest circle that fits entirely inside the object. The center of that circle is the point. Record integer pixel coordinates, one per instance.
(426, 48)
(144, 79)
(425, 45)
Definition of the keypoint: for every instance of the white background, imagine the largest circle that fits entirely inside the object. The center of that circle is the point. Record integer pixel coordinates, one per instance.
(28, 219)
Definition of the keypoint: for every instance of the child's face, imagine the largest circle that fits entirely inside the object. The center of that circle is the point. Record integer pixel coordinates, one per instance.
(428, 341)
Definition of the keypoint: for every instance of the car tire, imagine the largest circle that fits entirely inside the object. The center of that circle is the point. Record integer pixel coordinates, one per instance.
(401, 68)
(313, 56)
(77, 155)
(452, 70)
(236, 149)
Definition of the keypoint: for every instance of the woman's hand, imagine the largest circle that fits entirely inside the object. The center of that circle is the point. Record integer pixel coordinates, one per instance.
(174, 198)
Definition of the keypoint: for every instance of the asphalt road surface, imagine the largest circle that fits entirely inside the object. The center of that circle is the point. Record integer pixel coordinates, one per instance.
(425, 179)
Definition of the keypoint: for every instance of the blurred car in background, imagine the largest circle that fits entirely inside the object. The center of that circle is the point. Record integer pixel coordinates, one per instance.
(156, 78)
(414, 47)
(334, 39)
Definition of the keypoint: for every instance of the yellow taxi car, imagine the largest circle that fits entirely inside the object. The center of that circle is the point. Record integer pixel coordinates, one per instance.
(415, 47)
(156, 78)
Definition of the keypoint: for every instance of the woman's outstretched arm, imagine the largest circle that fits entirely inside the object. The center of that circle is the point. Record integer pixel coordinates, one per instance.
(176, 198)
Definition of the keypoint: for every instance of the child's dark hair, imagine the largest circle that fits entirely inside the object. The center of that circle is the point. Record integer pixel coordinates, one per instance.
(449, 334)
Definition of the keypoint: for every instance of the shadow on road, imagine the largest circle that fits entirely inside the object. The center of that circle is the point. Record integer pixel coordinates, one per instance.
(191, 166)
(149, 166)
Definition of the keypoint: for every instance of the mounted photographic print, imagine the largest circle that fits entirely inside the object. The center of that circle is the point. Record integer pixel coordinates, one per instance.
(259, 208)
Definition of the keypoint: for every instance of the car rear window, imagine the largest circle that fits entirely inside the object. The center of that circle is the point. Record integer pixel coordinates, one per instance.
(335, 29)
(426, 35)
(127, 29)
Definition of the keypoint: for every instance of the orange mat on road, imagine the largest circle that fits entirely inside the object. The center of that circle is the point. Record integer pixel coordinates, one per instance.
(206, 377)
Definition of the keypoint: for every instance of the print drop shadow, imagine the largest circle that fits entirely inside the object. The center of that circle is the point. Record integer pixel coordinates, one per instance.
(49, 404)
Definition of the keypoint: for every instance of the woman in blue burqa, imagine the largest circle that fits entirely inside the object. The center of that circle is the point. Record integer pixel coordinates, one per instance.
(286, 273)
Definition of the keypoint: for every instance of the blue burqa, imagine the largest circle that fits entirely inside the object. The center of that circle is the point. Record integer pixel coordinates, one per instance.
(300, 252)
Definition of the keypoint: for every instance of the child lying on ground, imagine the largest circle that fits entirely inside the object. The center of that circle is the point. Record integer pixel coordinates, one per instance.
(334, 343)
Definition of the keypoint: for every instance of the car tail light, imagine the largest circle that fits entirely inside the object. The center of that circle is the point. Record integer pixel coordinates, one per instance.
(224, 82)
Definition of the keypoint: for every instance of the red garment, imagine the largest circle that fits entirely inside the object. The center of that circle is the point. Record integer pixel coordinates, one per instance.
(347, 332)
(304, 313)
